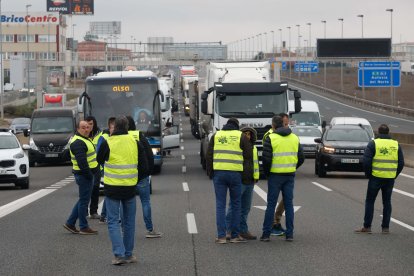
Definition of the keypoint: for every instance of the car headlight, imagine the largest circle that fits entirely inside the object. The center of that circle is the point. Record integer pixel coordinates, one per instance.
(18, 155)
(187, 108)
(156, 151)
(32, 144)
(328, 149)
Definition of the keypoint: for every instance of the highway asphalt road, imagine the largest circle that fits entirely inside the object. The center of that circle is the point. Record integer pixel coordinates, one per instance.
(33, 241)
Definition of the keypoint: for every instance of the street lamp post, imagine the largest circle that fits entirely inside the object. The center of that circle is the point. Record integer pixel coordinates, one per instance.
(391, 70)
(362, 24)
(310, 38)
(324, 62)
(265, 47)
(273, 41)
(290, 63)
(342, 69)
(281, 43)
(73, 54)
(28, 54)
(342, 27)
(1, 69)
(362, 35)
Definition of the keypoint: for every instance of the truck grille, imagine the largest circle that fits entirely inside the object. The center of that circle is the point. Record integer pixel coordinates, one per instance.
(55, 148)
(7, 163)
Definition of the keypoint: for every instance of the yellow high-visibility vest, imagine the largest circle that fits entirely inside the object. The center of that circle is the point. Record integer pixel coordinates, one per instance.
(96, 138)
(267, 134)
(90, 154)
(134, 134)
(121, 169)
(285, 153)
(385, 161)
(256, 172)
(227, 155)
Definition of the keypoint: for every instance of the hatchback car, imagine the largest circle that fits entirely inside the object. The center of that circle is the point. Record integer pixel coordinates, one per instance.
(341, 148)
(18, 125)
(14, 163)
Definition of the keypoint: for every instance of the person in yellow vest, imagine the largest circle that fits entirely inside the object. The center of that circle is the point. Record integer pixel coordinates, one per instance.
(119, 154)
(83, 156)
(250, 176)
(383, 162)
(282, 155)
(94, 135)
(227, 150)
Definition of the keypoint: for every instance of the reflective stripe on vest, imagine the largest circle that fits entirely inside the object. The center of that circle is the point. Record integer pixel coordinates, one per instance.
(385, 161)
(267, 134)
(121, 169)
(134, 134)
(96, 138)
(285, 153)
(228, 155)
(256, 172)
(90, 154)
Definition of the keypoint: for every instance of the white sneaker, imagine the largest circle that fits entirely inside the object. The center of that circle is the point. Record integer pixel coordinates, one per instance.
(153, 234)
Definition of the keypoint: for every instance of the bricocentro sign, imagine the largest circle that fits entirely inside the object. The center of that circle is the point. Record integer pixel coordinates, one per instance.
(20, 18)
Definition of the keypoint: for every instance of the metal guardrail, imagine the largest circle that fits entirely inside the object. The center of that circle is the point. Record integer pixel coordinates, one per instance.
(355, 100)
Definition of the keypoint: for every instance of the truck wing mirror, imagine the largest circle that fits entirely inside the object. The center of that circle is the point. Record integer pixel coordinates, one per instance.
(298, 103)
(323, 124)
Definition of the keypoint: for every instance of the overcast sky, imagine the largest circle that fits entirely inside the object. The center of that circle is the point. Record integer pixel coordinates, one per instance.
(230, 20)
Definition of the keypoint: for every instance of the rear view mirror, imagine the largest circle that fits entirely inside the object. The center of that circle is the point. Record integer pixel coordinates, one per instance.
(26, 132)
(298, 103)
(318, 140)
(323, 124)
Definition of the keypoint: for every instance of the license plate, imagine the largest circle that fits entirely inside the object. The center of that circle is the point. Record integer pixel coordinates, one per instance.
(352, 161)
(3, 171)
(51, 155)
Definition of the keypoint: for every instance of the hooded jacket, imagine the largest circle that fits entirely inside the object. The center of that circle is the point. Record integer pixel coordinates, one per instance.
(267, 155)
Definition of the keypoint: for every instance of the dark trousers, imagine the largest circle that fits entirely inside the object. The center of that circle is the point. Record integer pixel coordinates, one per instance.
(93, 206)
(374, 185)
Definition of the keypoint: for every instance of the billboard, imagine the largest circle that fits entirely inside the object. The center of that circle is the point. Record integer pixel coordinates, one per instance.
(354, 48)
(76, 7)
(35, 18)
(105, 28)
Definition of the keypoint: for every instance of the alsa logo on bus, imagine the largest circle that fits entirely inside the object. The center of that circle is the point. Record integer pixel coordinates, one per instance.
(121, 88)
(30, 19)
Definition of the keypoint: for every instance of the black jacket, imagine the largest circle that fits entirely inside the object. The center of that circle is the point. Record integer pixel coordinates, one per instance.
(145, 157)
(245, 145)
(369, 154)
(115, 192)
(267, 155)
(79, 150)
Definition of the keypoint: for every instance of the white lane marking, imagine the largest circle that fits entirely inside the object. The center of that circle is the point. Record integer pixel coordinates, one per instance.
(403, 193)
(182, 140)
(406, 175)
(340, 112)
(21, 202)
(181, 129)
(321, 186)
(372, 121)
(182, 147)
(181, 124)
(191, 223)
(184, 169)
(260, 192)
(185, 187)
(100, 205)
(387, 116)
(328, 108)
(183, 157)
(393, 126)
(409, 227)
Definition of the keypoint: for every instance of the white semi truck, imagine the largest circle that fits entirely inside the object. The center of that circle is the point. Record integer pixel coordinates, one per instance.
(407, 67)
(242, 90)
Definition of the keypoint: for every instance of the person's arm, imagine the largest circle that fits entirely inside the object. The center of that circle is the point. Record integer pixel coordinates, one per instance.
(102, 154)
(79, 150)
(247, 148)
(209, 157)
(148, 151)
(301, 156)
(267, 156)
(400, 160)
(369, 153)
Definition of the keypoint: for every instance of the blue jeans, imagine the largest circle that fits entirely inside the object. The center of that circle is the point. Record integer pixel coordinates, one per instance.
(246, 204)
(143, 188)
(374, 185)
(230, 180)
(103, 211)
(277, 183)
(122, 243)
(80, 210)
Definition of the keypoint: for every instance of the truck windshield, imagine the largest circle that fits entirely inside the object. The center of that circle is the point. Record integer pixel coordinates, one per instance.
(52, 125)
(134, 97)
(305, 118)
(251, 105)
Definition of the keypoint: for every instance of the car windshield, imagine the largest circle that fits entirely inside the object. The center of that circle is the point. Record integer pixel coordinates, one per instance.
(52, 125)
(307, 132)
(305, 118)
(20, 121)
(351, 135)
(8, 142)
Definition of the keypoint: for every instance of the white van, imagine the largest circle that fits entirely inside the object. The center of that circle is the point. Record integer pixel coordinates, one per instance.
(308, 116)
(353, 121)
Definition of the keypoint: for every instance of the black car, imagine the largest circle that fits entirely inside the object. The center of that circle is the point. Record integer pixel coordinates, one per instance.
(341, 148)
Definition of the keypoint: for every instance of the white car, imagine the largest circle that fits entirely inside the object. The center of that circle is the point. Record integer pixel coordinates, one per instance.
(14, 163)
(307, 137)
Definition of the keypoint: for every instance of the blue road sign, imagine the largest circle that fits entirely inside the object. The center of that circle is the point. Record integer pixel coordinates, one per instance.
(379, 78)
(308, 67)
(284, 66)
(378, 73)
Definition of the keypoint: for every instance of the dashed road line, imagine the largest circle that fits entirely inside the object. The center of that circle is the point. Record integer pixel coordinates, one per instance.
(406, 175)
(182, 147)
(185, 187)
(405, 225)
(182, 157)
(191, 224)
(321, 186)
(403, 193)
(184, 169)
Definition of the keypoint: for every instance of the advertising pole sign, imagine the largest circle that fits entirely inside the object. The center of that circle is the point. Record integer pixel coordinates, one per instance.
(75, 7)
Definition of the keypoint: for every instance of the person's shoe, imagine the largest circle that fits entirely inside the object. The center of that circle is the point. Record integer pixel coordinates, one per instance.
(385, 230)
(228, 236)
(277, 230)
(118, 261)
(71, 228)
(264, 238)
(289, 239)
(221, 240)
(363, 230)
(88, 231)
(248, 236)
(102, 220)
(94, 216)
(238, 239)
(153, 234)
(131, 259)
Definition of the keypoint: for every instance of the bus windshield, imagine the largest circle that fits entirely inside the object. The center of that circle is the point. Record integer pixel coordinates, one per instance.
(257, 105)
(133, 97)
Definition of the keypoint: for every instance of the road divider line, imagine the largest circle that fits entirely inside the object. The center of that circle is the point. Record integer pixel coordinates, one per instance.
(21, 202)
(321, 186)
(184, 169)
(191, 224)
(182, 147)
(100, 205)
(185, 187)
(182, 157)
(406, 175)
(409, 227)
(403, 193)
(259, 191)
